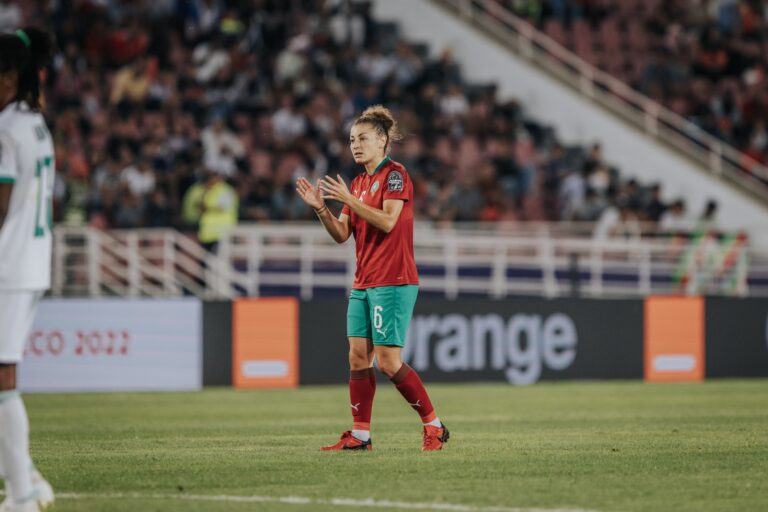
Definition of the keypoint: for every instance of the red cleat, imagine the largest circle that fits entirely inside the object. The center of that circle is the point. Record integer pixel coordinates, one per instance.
(434, 438)
(348, 442)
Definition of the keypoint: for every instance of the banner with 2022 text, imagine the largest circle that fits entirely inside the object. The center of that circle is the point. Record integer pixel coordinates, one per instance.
(114, 345)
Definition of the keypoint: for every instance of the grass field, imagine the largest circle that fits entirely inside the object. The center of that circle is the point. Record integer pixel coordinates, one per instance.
(587, 446)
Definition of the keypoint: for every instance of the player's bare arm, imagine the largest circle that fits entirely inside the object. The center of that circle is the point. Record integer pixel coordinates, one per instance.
(312, 195)
(5, 201)
(384, 219)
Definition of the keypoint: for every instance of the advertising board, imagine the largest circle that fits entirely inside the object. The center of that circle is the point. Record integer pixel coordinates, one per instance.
(114, 345)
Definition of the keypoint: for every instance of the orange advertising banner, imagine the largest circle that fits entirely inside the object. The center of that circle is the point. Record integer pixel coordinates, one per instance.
(674, 339)
(265, 343)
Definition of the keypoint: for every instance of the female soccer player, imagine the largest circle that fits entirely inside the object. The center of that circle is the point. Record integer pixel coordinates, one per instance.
(378, 211)
(26, 190)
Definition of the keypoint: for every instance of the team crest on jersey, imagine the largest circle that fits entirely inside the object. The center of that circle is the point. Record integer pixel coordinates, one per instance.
(375, 187)
(395, 182)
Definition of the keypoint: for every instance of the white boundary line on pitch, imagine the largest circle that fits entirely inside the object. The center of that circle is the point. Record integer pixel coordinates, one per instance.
(299, 500)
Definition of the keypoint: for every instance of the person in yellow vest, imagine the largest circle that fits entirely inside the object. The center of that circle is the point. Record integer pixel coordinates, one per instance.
(219, 206)
(191, 207)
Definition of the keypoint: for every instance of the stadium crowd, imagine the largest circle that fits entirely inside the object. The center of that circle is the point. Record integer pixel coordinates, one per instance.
(152, 103)
(706, 60)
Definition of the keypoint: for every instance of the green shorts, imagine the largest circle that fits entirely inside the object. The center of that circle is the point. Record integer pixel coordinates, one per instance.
(381, 314)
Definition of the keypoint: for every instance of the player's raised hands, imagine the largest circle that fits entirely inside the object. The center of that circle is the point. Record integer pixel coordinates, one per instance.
(312, 195)
(336, 189)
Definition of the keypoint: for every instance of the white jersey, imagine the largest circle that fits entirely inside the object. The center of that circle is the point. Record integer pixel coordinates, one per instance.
(26, 160)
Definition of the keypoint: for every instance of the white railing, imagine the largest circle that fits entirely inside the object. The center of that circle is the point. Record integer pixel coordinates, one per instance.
(648, 116)
(494, 260)
(142, 262)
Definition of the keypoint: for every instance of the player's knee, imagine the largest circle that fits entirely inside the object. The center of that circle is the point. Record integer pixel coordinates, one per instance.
(358, 360)
(7, 377)
(388, 365)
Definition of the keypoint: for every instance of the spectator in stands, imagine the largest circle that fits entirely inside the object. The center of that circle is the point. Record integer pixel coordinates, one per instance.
(454, 103)
(591, 209)
(758, 142)
(554, 169)
(374, 66)
(529, 9)
(192, 206)
(129, 210)
(599, 179)
(366, 96)
(159, 211)
(140, 178)
(467, 198)
(525, 156)
(655, 207)
(256, 200)
(633, 195)
(440, 205)
(74, 200)
(708, 219)
(675, 220)
(286, 204)
(221, 148)
(218, 206)
(505, 166)
(406, 65)
(711, 58)
(347, 24)
(443, 71)
(564, 10)
(572, 192)
(618, 221)
(201, 17)
(594, 157)
(131, 84)
(107, 180)
(292, 61)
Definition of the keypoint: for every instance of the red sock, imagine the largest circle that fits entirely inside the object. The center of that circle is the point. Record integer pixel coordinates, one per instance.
(408, 383)
(362, 387)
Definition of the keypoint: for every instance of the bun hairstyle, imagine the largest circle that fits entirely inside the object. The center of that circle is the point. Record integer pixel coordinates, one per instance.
(383, 122)
(26, 52)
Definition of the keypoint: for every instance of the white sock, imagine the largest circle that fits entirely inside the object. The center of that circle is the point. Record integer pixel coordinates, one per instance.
(362, 435)
(434, 423)
(14, 445)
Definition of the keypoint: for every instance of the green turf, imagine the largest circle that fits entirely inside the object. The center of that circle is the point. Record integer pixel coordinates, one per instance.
(599, 446)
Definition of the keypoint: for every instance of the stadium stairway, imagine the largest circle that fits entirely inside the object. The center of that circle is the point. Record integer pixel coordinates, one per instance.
(586, 105)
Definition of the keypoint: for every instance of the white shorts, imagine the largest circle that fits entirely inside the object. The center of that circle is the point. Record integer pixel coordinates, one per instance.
(17, 312)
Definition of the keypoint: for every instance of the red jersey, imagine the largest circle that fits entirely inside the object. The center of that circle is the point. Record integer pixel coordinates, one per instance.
(384, 259)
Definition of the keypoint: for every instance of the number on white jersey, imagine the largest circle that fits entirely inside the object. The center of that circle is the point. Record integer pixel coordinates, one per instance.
(43, 175)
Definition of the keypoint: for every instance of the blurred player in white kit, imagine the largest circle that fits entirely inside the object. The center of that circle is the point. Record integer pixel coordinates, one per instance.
(26, 190)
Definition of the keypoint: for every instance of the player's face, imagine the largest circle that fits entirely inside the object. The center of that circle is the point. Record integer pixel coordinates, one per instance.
(366, 144)
(8, 84)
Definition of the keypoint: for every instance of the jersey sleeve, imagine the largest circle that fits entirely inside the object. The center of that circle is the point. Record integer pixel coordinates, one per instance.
(397, 185)
(9, 169)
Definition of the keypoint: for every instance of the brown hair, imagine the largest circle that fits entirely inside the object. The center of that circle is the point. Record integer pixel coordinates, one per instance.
(383, 122)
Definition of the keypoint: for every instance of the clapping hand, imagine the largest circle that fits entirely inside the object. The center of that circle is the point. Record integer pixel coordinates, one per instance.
(312, 195)
(336, 189)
